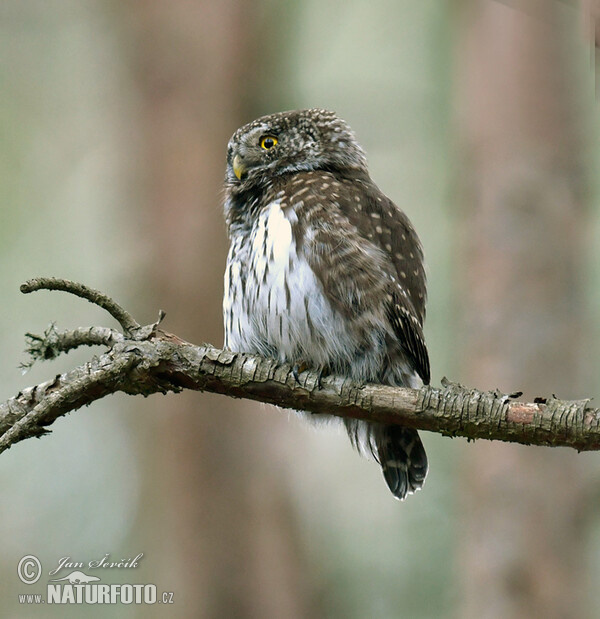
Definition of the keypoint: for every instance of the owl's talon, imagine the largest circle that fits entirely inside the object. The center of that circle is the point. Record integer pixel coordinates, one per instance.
(323, 371)
(297, 369)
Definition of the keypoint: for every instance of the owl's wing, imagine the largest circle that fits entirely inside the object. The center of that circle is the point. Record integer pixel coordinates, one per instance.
(367, 257)
(410, 335)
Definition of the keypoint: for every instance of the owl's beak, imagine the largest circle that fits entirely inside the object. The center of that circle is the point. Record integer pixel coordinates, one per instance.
(239, 169)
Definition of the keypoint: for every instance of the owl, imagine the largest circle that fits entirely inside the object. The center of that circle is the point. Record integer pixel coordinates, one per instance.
(325, 271)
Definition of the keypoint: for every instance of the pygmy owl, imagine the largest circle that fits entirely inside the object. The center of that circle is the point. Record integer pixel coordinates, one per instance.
(324, 270)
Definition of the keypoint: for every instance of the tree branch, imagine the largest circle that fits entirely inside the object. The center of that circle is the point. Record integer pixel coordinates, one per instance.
(96, 297)
(146, 360)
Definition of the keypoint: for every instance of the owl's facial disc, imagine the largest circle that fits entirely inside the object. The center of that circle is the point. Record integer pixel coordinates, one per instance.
(252, 151)
(290, 142)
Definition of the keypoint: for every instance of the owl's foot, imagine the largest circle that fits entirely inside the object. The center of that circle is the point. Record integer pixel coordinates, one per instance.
(298, 368)
(302, 366)
(322, 372)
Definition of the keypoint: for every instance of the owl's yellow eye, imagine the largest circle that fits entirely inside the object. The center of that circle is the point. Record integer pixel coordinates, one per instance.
(268, 142)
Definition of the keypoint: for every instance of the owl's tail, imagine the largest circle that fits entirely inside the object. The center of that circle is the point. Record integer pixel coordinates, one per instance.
(402, 457)
(398, 450)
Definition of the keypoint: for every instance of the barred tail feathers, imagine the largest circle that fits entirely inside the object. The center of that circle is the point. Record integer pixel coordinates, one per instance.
(402, 458)
(398, 450)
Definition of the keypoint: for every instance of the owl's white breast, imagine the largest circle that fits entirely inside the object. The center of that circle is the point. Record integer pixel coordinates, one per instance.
(272, 247)
(281, 310)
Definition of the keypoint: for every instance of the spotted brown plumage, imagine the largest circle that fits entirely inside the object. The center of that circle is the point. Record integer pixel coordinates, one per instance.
(324, 270)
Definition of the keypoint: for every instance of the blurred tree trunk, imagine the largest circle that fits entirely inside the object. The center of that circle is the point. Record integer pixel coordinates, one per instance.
(591, 25)
(219, 510)
(591, 21)
(523, 305)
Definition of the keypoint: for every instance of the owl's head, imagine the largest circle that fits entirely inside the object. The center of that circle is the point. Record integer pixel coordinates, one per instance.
(289, 142)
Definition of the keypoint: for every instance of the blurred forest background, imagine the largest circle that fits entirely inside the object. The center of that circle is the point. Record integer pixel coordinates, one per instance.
(479, 119)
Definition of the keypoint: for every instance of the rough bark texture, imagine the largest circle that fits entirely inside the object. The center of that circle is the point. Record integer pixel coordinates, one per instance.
(157, 362)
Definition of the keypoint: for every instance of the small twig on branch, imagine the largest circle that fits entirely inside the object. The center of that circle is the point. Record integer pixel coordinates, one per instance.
(53, 343)
(124, 318)
(148, 360)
